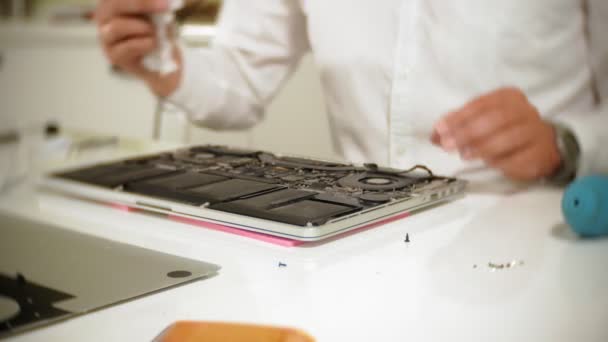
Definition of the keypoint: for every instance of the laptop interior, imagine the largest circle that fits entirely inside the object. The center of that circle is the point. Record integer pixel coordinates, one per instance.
(291, 197)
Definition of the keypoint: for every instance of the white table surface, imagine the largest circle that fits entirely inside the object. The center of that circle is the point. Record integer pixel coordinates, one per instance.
(368, 286)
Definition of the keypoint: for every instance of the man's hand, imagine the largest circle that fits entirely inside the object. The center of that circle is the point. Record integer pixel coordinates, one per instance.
(504, 130)
(127, 35)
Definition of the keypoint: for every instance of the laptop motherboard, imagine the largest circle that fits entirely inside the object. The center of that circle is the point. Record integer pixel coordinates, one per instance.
(298, 191)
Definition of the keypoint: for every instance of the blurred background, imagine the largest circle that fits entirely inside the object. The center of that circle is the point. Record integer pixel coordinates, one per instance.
(52, 69)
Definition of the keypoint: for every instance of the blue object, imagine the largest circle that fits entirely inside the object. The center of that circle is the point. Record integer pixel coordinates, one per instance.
(585, 206)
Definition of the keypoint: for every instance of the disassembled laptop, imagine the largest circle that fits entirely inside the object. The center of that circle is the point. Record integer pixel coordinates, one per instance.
(297, 198)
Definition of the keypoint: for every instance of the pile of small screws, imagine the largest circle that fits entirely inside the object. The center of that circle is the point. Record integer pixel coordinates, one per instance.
(500, 266)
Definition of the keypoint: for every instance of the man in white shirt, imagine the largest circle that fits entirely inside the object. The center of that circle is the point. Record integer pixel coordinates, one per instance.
(515, 85)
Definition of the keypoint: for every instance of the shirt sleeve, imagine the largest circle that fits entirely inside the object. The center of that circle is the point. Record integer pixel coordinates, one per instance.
(591, 129)
(257, 46)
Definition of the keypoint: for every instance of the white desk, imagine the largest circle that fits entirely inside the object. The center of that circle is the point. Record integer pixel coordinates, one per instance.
(368, 286)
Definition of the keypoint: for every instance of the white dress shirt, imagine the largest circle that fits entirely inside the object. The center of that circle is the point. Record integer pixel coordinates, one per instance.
(391, 68)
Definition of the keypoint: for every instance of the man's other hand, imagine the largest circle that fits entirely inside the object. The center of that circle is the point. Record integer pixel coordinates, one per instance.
(504, 130)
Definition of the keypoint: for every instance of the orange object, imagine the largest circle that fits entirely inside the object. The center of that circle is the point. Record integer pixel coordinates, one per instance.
(190, 331)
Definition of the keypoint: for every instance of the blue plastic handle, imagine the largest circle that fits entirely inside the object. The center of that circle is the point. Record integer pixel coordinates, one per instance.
(585, 206)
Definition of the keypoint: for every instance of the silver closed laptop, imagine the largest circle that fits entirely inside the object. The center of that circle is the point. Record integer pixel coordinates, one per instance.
(48, 273)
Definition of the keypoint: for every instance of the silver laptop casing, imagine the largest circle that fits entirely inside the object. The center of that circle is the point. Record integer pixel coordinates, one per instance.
(425, 196)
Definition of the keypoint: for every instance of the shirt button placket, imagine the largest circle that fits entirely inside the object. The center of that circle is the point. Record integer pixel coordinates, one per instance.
(404, 54)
